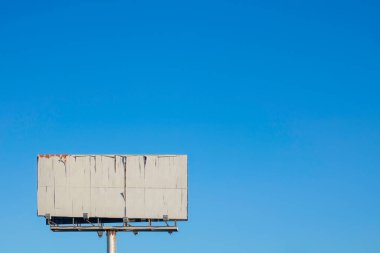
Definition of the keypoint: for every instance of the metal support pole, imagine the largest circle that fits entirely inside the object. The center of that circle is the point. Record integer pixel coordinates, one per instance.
(111, 241)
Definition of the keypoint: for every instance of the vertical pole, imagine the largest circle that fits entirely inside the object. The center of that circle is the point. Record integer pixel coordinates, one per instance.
(111, 241)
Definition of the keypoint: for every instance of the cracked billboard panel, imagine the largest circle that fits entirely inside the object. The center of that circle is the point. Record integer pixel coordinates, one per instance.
(137, 187)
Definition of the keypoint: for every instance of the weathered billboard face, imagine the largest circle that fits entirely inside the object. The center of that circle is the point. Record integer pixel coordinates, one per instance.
(113, 186)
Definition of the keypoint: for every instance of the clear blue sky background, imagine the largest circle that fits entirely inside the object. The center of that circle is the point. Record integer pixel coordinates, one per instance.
(276, 103)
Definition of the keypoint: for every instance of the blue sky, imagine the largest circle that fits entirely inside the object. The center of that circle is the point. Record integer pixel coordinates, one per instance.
(276, 103)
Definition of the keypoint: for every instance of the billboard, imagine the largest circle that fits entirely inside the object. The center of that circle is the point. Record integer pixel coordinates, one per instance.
(113, 187)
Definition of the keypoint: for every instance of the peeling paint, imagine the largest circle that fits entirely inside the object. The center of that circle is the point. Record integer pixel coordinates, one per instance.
(62, 156)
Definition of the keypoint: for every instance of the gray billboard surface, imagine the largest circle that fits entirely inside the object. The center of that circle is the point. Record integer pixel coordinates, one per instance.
(137, 187)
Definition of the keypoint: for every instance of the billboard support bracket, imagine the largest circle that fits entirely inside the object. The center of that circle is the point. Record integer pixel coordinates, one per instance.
(134, 229)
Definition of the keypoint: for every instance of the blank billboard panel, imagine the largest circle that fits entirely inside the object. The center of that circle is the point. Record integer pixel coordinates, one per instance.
(137, 187)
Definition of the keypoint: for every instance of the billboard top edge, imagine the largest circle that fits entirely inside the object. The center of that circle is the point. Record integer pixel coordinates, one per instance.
(65, 155)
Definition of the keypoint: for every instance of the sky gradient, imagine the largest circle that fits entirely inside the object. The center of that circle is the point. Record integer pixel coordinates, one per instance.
(276, 104)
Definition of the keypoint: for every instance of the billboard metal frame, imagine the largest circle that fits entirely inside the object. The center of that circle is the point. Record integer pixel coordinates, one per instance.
(111, 231)
(123, 227)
